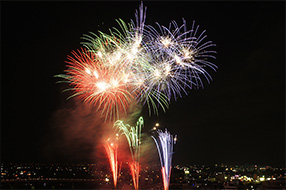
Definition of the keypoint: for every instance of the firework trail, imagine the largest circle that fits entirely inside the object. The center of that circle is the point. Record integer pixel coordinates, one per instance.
(111, 151)
(133, 136)
(139, 62)
(164, 142)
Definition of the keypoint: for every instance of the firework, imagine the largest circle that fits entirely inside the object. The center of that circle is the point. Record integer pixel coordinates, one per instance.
(105, 87)
(133, 136)
(164, 142)
(179, 58)
(111, 151)
(151, 65)
(127, 48)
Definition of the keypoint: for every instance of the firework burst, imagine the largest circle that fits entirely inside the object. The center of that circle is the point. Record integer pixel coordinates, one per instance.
(179, 58)
(105, 87)
(139, 62)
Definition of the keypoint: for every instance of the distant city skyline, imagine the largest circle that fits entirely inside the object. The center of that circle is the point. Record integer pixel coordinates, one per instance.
(79, 175)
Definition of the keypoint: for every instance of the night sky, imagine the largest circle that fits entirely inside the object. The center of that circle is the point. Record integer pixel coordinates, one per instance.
(239, 118)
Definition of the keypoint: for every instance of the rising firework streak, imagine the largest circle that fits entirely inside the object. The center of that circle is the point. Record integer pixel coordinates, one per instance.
(133, 136)
(111, 151)
(164, 142)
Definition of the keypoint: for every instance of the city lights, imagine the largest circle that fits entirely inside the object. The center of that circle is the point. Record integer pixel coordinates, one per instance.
(99, 176)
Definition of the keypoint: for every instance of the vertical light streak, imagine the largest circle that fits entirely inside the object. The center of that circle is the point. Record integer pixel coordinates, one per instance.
(111, 151)
(164, 142)
(133, 136)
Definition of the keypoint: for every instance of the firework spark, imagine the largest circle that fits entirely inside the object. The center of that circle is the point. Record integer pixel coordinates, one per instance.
(111, 151)
(105, 87)
(133, 136)
(164, 142)
(139, 62)
(179, 58)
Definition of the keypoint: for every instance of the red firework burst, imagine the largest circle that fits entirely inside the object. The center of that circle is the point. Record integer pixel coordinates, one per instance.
(98, 82)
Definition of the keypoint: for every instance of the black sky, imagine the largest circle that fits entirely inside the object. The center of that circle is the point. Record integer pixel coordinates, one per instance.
(238, 119)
